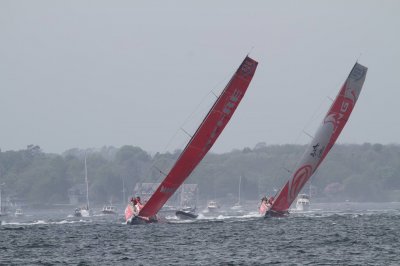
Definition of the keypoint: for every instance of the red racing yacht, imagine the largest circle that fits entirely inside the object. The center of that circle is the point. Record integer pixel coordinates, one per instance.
(324, 139)
(198, 146)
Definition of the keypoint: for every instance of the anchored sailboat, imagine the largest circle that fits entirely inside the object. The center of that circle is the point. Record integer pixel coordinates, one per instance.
(188, 202)
(237, 205)
(201, 142)
(2, 208)
(324, 139)
(84, 211)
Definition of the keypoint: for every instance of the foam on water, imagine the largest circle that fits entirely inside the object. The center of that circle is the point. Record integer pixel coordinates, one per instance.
(346, 236)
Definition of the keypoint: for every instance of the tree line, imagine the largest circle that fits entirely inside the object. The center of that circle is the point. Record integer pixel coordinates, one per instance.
(367, 172)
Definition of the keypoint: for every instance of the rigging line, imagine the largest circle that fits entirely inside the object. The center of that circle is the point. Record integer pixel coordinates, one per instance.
(186, 120)
(312, 137)
(218, 84)
(187, 133)
(196, 109)
(251, 49)
(318, 111)
(159, 170)
(338, 84)
(316, 114)
(358, 58)
(289, 171)
(156, 160)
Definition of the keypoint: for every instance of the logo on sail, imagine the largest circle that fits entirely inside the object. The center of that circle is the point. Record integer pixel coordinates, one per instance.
(247, 68)
(226, 112)
(358, 72)
(298, 181)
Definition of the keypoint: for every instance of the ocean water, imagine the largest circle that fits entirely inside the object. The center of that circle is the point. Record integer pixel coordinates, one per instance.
(329, 234)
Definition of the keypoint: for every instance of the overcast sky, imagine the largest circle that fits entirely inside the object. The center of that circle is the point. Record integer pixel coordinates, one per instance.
(111, 73)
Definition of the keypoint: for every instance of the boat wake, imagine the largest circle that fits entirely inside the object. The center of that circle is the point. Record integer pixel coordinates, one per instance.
(42, 222)
(216, 218)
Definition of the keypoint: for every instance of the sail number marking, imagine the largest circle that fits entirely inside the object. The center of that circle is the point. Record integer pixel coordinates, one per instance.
(226, 111)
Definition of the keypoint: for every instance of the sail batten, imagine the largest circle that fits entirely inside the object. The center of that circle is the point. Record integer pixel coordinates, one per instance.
(324, 139)
(204, 137)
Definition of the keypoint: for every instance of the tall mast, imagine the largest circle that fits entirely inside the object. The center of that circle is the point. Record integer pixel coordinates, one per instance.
(1, 205)
(1, 199)
(87, 186)
(240, 183)
(123, 189)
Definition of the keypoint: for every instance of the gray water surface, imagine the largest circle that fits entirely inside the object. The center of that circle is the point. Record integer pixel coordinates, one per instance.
(329, 234)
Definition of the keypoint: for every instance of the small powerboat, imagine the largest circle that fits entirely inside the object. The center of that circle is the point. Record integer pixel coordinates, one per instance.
(303, 202)
(186, 213)
(109, 209)
(212, 206)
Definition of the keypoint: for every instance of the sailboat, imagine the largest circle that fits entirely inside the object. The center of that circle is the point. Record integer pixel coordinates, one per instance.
(109, 209)
(2, 208)
(84, 211)
(188, 202)
(200, 143)
(324, 139)
(237, 205)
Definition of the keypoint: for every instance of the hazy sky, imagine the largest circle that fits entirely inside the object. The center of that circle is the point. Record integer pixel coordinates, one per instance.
(111, 73)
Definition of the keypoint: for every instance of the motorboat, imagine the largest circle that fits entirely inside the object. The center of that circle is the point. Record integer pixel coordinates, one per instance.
(303, 202)
(82, 212)
(18, 213)
(109, 209)
(212, 206)
(186, 213)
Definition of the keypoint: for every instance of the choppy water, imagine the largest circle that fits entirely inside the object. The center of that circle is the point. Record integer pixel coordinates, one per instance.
(330, 234)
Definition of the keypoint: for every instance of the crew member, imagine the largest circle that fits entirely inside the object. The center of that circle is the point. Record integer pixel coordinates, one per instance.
(264, 205)
(139, 205)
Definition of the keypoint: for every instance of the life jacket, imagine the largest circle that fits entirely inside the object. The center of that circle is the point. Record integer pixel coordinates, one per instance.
(263, 208)
(139, 206)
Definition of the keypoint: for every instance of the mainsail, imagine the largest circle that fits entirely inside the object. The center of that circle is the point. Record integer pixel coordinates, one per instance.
(204, 138)
(324, 139)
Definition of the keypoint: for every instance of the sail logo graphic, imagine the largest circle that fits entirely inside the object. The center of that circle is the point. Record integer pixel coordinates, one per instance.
(344, 107)
(358, 72)
(336, 118)
(248, 68)
(315, 149)
(226, 112)
(298, 181)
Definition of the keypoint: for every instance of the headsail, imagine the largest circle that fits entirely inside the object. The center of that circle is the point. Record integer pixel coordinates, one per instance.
(204, 138)
(324, 139)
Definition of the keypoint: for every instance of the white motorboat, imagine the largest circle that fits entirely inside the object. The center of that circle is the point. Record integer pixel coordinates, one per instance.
(212, 206)
(303, 202)
(109, 209)
(18, 213)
